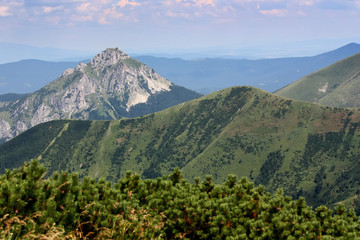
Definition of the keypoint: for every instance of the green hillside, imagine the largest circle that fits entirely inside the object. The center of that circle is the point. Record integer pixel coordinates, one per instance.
(307, 149)
(337, 85)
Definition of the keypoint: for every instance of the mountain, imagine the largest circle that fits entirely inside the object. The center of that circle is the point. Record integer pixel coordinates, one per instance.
(307, 149)
(337, 85)
(208, 75)
(11, 97)
(202, 75)
(13, 52)
(112, 85)
(27, 76)
(8, 98)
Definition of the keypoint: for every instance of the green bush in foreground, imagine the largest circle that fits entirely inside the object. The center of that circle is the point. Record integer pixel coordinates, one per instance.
(169, 207)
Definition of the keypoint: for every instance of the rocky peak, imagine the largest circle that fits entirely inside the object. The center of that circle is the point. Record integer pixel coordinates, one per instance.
(108, 57)
(108, 87)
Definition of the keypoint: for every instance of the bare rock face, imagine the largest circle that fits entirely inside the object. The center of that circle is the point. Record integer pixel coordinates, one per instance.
(109, 57)
(108, 87)
(5, 129)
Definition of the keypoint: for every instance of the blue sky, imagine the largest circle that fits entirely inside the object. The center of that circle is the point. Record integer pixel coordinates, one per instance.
(146, 26)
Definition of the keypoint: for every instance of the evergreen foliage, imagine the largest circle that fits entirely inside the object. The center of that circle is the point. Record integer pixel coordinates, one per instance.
(62, 207)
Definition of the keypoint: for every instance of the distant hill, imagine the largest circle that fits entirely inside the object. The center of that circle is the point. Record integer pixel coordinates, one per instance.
(337, 85)
(12, 52)
(27, 76)
(202, 75)
(112, 85)
(208, 75)
(11, 97)
(306, 149)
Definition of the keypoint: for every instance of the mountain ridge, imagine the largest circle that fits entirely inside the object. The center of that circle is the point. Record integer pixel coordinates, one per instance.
(304, 148)
(267, 74)
(12, 52)
(335, 85)
(110, 86)
(202, 75)
(30, 75)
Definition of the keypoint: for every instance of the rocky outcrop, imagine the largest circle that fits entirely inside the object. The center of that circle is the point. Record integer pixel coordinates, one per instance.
(5, 129)
(108, 87)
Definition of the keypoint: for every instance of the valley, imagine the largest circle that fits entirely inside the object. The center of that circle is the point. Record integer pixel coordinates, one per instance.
(307, 149)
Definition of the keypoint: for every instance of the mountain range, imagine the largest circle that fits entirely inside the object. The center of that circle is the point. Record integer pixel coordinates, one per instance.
(337, 85)
(202, 75)
(13, 52)
(307, 149)
(112, 85)
(211, 74)
(30, 75)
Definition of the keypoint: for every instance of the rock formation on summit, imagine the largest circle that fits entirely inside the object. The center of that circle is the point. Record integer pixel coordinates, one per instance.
(112, 85)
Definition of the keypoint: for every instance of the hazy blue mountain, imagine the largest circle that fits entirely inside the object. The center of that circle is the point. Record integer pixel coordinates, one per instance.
(209, 74)
(202, 75)
(30, 75)
(12, 52)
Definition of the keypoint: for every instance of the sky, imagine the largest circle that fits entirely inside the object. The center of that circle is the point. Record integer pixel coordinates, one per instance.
(238, 27)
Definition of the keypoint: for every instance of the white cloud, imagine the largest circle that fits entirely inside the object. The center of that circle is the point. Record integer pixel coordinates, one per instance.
(4, 11)
(275, 12)
(89, 7)
(257, 1)
(308, 2)
(124, 3)
(110, 13)
(357, 3)
(170, 13)
(47, 9)
(201, 3)
(189, 3)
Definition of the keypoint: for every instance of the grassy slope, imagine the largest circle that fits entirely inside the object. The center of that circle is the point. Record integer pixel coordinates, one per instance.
(342, 81)
(305, 148)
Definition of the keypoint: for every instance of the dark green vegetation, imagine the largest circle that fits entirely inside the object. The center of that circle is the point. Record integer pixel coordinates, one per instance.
(62, 207)
(307, 149)
(211, 74)
(337, 85)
